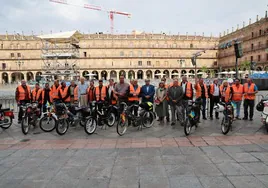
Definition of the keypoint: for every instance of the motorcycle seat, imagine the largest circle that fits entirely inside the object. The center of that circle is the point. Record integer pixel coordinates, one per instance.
(79, 108)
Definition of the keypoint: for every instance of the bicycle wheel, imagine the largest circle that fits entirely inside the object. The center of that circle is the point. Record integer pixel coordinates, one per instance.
(225, 125)
(122, 125)
(62, 126)
(187, 127)
(90, 126)
(8, 124)
(25, 125)
(148, 119)
(47, 123)
(111, 119)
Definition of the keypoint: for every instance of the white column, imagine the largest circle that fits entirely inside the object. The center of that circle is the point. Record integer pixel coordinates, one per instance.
(108, 75)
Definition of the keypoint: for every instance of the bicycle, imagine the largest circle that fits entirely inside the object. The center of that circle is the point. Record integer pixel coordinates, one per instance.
(146, 117)
(31, 113)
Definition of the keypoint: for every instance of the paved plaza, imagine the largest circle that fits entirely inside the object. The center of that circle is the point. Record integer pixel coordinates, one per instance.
(159, 157)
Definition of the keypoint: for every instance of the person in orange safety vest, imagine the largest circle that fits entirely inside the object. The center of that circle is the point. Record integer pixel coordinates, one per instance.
(238, 90)
(134, 92)
(202, 91)
(250, 91)
(187, 94)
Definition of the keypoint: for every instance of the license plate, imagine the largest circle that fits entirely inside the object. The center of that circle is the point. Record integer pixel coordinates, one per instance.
(192, 114)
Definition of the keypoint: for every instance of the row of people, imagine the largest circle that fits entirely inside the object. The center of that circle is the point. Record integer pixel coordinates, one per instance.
(176, 95)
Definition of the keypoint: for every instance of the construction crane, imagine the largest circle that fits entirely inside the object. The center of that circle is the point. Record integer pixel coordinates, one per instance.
(97, 8)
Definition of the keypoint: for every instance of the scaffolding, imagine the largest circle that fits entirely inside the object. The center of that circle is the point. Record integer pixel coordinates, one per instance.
(60, 55)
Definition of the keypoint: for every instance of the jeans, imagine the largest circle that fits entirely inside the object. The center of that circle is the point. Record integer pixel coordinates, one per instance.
(214, 100)
(176, 109)
(250, 104)
(204, 104)
(238, 105)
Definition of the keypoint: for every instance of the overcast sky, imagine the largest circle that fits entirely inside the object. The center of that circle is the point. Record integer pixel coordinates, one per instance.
(169, 16)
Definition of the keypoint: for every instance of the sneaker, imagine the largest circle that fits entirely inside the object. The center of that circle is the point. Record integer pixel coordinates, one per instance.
(173, 123)
(167, 119)
(217, 118)
(238, 118)
(19, 121)
(250, 119)
(211, 118)
(204, 118)
(244, 118)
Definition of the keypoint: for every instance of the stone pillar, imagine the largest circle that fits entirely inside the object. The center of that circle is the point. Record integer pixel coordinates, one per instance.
(1, 79)
(108, 75)
(117, 76)
(136, 74)
(153, 74)
(9, 77)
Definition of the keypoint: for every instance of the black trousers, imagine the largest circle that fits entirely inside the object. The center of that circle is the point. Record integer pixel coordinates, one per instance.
(204, 105)
(250, 104)
(134, 109)
(214, 100)
(22, 102)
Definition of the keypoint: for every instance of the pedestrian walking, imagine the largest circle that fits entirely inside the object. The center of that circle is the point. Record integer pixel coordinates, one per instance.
(175, 95)
(161, 102)
(250, 90)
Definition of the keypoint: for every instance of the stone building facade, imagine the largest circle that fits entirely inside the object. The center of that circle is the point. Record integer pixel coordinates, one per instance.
(108, 56)
(254, 39)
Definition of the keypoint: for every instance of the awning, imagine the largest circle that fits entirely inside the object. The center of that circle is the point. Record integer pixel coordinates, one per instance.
(62, 37)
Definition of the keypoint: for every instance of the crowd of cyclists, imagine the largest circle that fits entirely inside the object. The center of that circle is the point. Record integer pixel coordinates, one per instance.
(173, 96)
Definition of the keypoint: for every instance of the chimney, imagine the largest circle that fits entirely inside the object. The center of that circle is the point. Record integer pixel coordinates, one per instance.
(186, 35)
(6, 35)
(32, 35)
(243, 24)
(179, 35)
(14, 35)
(41, 32)
(195, 35)
(22, 35)
(237, 26)
(219, 34)
(257, 19)
(232, 29)
(224, 33)
(249, 21)
(266, 14)
(227, 31)
(203, 34)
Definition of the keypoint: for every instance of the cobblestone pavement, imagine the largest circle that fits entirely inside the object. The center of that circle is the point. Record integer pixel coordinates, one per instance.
(159, 157)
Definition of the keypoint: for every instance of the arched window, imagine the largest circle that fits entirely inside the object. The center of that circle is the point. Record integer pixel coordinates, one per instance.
(191, 45)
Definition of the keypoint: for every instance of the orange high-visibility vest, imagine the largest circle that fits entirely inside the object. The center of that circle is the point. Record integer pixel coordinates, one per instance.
(36, 95)
(100, 95)
(137, 92)
(55, 92)
(188, 90)
(226, 93)
(199, 91)
(249, 90)
(76, 93)
(212, 89)
(238, 92)
(22, 93)
(63, 93)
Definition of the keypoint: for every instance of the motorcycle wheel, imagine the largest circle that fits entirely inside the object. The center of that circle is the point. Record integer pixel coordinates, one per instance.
(47, 124)
(90, 125)
(62, 126)
(225, 125)
(6, 126)
(111, 119)
(121, 127)
(25, 126)
(187, 127)
(148, 119)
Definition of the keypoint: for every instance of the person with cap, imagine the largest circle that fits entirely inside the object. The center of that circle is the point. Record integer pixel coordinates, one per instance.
(46, 97)
(202, 92)
(214, 95)
(121, 91)
(175, 95)
(250, 91)
(238, 90)
(110, 93)
(187, 95)
(161, 101)
(82, 92)
(23, 96)
(134, 92)
(147, 92)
